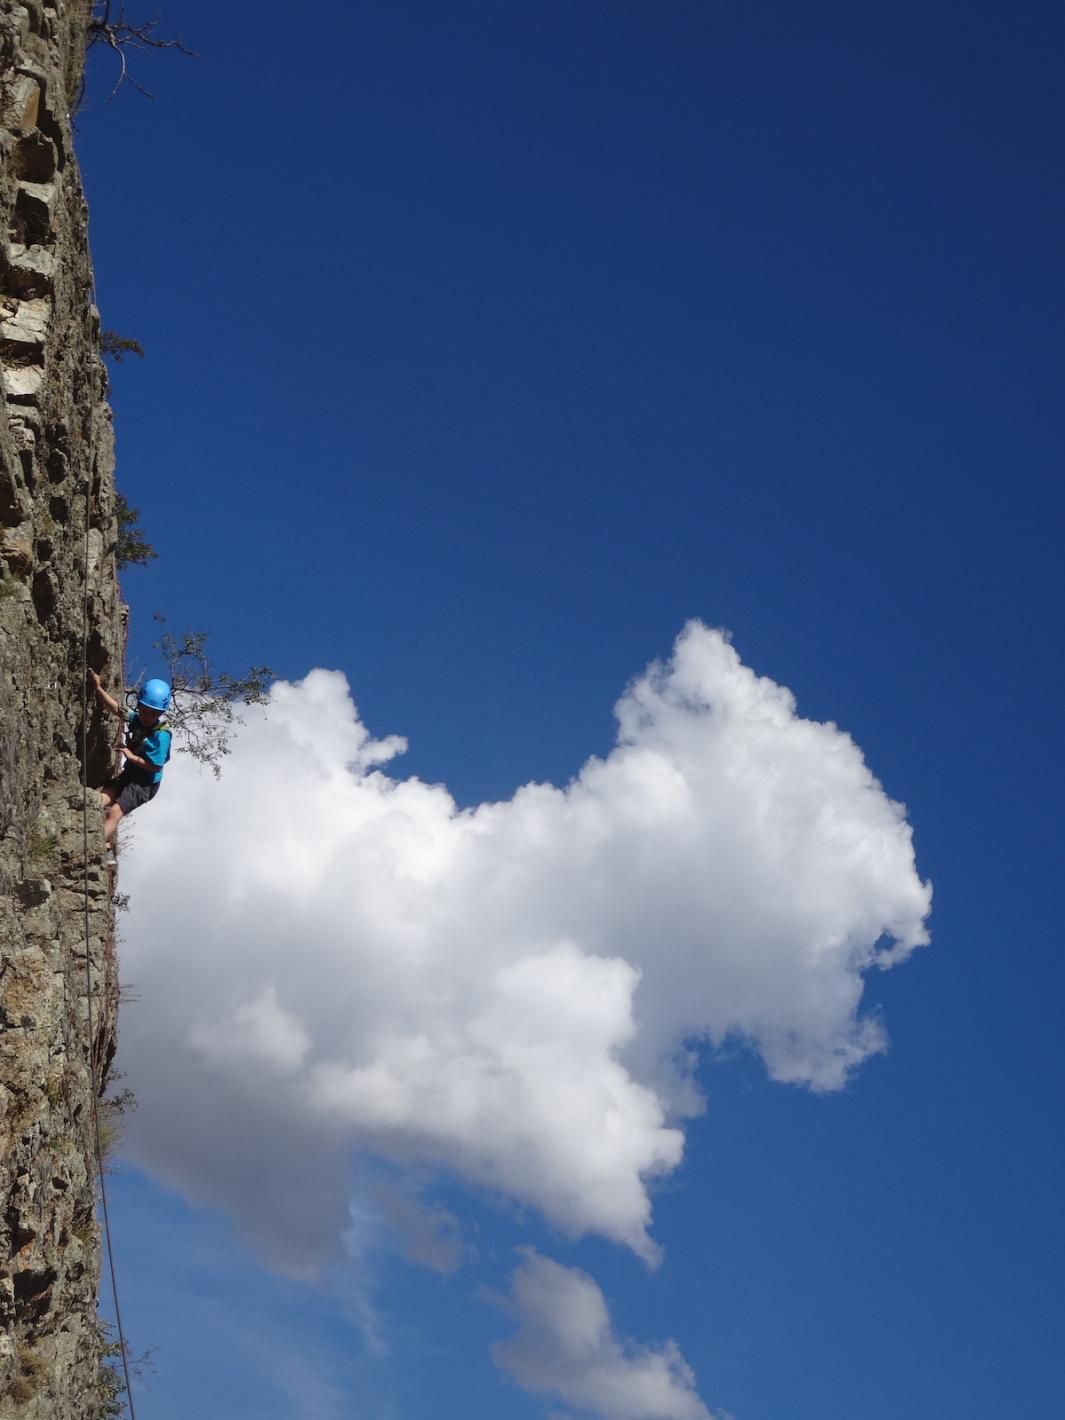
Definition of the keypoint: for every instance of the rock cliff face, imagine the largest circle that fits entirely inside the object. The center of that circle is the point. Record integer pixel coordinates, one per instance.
(58, 607)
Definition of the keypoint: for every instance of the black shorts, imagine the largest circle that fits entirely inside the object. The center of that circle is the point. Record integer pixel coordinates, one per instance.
(130, 792)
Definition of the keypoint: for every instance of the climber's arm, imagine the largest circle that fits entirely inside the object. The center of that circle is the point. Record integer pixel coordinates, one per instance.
(107, 701)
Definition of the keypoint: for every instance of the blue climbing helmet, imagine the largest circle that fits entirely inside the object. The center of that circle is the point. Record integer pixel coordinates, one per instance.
(155, 694)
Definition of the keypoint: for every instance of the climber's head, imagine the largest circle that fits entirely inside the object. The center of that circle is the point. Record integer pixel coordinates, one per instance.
(153, 700)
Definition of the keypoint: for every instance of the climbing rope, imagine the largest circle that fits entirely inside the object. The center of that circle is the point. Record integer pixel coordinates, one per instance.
(88, 945)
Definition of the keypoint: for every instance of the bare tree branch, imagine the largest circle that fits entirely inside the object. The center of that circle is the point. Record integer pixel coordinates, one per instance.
(121, 35)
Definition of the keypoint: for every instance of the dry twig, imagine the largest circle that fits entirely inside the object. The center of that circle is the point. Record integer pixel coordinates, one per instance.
(119, 34)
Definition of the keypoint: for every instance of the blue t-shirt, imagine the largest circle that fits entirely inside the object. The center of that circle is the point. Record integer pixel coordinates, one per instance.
(151, 744)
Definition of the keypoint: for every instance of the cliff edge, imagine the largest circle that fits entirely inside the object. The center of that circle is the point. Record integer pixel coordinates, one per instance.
(59, 607)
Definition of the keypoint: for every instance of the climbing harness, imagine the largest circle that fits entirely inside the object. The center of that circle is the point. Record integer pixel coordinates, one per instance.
(136, 734)
(91, 1043)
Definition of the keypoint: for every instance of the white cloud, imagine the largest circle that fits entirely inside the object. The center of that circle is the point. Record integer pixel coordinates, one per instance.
(330, 960)
(258, 1031)
(565, 1347)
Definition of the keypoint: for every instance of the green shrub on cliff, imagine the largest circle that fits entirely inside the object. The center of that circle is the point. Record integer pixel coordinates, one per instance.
(131, 547)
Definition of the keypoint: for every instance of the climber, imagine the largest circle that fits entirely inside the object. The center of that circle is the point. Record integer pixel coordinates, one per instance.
(146, 751)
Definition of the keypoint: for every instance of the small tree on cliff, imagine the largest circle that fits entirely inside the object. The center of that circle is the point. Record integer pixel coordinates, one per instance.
(131, 547)
(116, 347)
(206, 701)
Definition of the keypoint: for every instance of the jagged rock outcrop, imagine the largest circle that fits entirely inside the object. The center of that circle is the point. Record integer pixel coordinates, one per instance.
(56, 470)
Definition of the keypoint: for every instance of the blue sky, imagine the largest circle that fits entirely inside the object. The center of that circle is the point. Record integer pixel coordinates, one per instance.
(484, 348)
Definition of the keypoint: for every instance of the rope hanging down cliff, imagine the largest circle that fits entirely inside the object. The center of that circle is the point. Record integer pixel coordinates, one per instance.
(91, 1043)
